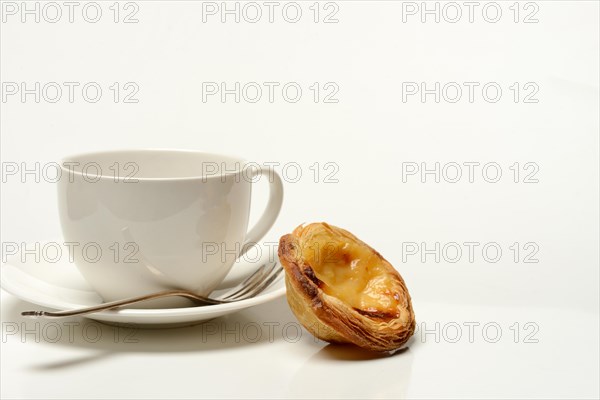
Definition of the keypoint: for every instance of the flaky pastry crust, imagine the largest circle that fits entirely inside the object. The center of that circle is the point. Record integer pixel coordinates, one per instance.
(343, 291)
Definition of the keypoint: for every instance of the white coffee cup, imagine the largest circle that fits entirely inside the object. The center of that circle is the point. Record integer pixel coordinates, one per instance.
(142, 221)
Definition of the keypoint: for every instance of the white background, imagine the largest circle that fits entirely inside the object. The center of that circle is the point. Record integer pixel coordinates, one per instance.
(369, 133)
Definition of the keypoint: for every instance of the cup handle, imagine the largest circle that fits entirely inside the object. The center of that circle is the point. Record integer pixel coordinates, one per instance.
(271, 212)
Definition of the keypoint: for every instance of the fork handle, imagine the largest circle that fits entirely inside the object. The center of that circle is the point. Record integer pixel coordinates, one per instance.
(124, 302)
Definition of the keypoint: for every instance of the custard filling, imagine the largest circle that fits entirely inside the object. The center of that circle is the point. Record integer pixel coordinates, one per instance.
(352, 273)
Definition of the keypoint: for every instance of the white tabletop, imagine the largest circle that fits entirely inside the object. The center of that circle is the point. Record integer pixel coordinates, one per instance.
(523, 326)
(474, 351)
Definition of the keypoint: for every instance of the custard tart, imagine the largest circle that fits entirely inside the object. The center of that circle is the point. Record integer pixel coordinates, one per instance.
(343, 291)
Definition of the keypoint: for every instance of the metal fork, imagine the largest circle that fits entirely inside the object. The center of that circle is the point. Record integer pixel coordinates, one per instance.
(261, 279)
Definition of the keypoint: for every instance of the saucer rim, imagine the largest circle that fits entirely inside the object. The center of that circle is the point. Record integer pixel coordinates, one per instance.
(157, 312)
(24, 293)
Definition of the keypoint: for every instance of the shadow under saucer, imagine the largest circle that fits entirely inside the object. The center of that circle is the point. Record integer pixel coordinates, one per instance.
(232, 331)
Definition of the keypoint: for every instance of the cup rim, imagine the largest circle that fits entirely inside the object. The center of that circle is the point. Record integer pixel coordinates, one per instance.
(242, 161)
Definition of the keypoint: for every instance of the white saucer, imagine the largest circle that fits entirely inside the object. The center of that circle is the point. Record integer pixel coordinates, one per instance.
(60, 286)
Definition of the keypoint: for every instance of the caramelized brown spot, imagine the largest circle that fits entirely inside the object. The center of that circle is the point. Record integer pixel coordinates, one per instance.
(310, 274)
(299, 277)
(377, 314)
(346, 257)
